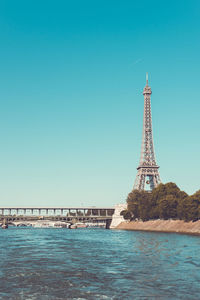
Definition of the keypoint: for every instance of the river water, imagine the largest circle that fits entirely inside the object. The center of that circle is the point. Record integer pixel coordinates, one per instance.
(98, 264)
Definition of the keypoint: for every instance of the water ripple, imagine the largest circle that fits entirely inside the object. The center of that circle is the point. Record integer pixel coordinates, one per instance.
(97, 264)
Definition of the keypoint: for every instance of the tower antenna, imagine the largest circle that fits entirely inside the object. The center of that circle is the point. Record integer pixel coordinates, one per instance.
(146, 78)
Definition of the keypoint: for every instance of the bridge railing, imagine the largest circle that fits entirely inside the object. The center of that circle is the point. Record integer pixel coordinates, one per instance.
(74, 212)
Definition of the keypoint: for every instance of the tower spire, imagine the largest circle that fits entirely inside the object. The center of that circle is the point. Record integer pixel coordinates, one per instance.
(147, 169)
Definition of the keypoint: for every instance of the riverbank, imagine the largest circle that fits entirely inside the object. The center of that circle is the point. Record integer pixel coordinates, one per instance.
(176, 226)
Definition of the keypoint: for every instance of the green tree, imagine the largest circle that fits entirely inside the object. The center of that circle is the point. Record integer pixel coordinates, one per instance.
(165, 201)
(191, 207)
(167, 207)
(126, 214)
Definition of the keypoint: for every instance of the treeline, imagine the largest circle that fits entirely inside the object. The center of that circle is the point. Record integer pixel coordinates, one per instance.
(166, 201)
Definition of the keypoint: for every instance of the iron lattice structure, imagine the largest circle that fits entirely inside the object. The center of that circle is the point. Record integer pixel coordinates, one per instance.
(148, 169)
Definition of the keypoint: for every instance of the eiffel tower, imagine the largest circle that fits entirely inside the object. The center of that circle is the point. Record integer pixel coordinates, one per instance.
(147, 176)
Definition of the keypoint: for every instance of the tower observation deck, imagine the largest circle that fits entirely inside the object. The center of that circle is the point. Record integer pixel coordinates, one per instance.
(147, 175)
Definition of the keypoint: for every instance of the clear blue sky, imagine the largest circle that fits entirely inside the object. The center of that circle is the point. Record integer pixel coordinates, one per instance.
(71, 103)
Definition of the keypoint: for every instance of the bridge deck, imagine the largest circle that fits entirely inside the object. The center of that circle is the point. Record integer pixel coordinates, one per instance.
(89, 211)
(54, 207)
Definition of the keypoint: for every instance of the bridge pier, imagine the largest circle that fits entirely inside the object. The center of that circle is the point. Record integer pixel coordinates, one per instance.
(108, 222)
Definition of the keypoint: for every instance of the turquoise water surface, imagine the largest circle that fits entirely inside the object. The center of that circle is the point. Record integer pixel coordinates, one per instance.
(98, 264)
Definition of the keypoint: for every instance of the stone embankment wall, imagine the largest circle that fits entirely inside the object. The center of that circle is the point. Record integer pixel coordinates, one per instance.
(117, 218)
(177, 226)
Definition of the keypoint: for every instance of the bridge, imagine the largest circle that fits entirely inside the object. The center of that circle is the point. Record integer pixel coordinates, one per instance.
(68, 214)
(58, 211)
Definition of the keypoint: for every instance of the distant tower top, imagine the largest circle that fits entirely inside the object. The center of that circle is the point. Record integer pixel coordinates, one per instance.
(147, 89)
(146, 78)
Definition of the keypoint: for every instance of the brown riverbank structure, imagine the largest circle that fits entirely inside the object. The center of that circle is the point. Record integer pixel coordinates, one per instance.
(173, 226)
(147, 175)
